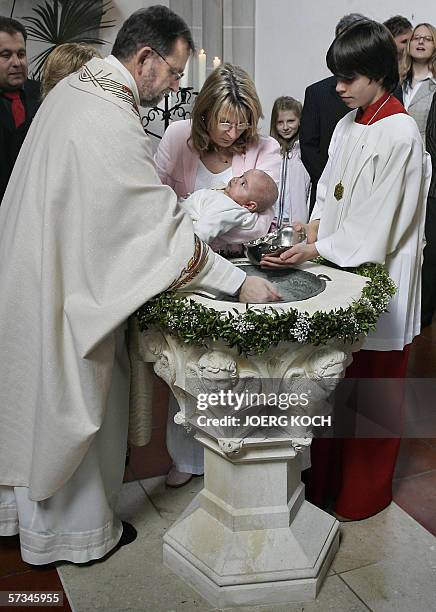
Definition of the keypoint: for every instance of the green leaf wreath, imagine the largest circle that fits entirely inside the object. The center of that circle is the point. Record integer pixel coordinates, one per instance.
(253, 332)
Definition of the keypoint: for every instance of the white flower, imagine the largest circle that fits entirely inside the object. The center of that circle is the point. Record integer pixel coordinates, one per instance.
(189, 320)
(173, 326)
(301, 328)
(240, 324)
(367, 303)
(350, 324)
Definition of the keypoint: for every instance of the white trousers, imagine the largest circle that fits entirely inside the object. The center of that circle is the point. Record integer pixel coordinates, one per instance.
(77, 523)
(187, 454)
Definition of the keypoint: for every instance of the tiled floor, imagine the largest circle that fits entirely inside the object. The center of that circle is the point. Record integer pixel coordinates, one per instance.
(385, 563)
(378, 568)
(415, 476)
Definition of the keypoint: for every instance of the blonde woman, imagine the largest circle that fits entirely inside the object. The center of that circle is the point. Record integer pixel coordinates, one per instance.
(64, 60)
(419, 74)
(219, 142)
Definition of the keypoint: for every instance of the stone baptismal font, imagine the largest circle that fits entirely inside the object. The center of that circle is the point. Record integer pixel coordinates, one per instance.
(251, 382)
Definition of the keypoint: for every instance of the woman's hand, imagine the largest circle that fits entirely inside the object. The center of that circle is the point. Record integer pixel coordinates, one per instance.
(295, 255)
(256, 290)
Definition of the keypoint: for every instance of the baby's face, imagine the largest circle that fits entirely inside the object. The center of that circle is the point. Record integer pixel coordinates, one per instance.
(244, 189)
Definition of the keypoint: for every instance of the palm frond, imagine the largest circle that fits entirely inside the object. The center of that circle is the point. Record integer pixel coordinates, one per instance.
(45, 26)
(39, 61)
(72, 21)
(85, 15)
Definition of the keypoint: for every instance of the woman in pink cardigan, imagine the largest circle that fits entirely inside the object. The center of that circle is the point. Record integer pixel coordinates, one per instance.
(221, 141)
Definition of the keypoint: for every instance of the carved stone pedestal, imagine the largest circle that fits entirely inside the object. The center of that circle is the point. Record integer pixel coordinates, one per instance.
(250, 537)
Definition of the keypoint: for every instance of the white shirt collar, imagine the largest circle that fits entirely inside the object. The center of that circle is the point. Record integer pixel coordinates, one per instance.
(426, 78)
(113, 61)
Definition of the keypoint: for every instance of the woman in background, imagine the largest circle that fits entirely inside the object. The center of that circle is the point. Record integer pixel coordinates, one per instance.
(64, 60)
(294, 178)
(428, 300)
(419, 87)
(418, 74)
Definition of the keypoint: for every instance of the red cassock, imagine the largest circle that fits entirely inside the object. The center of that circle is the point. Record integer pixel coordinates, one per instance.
(358, 472)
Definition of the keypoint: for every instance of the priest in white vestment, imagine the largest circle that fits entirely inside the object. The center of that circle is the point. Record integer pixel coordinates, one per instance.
(87, 235)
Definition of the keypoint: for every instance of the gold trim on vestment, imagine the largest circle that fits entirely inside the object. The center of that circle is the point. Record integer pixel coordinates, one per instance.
(194, 267)
(120, 90)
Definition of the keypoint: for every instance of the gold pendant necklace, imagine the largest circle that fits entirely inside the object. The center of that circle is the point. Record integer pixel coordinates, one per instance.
(339, 187)
(339, 191)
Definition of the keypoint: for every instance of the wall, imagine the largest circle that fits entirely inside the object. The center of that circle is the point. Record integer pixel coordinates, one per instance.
(222, 27)
(292, 38)
(121, 9)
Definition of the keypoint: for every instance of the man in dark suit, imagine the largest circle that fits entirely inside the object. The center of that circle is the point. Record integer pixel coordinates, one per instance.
(19, 96)
(401, 30)
(322, 110)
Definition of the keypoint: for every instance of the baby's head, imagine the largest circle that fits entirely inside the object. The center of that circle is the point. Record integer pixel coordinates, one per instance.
(254, 190)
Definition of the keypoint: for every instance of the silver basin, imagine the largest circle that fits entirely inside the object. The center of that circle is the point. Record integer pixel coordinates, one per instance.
(293, 284)
(273, 243)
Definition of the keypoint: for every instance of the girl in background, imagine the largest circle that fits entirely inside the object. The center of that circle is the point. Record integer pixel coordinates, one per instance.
(294, 182)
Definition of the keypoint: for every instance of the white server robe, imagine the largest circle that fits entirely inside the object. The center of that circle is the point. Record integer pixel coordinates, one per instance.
(385, 173)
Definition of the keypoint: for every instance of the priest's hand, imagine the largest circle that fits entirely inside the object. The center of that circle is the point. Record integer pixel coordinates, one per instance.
(256, 290)
(295, 255)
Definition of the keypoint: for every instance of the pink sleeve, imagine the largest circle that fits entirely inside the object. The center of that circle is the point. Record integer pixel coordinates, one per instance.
(173, 157)
(268, 157)
(176, 163)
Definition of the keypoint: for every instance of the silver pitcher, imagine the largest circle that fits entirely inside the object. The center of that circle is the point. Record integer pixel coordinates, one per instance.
(273, 243)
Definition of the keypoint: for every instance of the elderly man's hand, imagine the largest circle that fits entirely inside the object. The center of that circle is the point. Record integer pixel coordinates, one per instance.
(256, 290)
(295, 255)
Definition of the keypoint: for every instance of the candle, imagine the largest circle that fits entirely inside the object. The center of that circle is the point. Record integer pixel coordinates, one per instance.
(201, 69)
(184, 81)
(216, 62)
